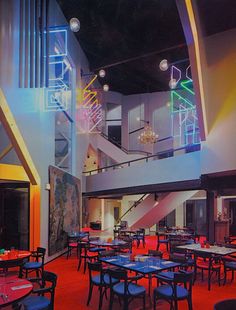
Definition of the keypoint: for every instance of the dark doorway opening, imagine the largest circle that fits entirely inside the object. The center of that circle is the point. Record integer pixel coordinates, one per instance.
(232, 227)
(14, 215)
(196, 216)
(114, 134)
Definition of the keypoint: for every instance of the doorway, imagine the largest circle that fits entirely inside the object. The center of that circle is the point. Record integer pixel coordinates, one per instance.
(14, 215)
(232, 212)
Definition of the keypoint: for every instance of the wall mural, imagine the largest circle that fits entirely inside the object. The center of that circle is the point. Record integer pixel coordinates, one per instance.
(64, 208)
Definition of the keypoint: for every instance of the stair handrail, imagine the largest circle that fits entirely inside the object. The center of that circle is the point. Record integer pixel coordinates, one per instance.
(134, 205)
(105, 136)
(146, 158)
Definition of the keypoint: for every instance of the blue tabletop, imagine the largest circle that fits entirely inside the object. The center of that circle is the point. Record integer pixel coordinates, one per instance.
(150, 265)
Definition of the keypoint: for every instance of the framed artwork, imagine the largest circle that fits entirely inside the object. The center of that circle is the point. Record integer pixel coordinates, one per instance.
(64, 208)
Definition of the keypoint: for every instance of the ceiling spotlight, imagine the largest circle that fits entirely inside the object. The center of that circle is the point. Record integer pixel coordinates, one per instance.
(102, 73)
(172, 83)
(105, 87)
(164, 65)
(74, 24)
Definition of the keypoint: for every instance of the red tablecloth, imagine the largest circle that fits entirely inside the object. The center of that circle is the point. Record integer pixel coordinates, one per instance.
(14, 254)
(13, 289)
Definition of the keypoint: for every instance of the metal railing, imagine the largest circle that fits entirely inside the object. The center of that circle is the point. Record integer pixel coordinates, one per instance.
(136, 203)
(159, 155)
(123, 148)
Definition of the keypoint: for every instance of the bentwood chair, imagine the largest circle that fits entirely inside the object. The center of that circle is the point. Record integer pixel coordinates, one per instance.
(229, 265)
(72, 244)
(126, 289)
(139, 236)
(174, 289)
(163, 240)
(36, 262)
(100, 278)
(227, 304)
(43, 297)
(85, 255)
(209, 263)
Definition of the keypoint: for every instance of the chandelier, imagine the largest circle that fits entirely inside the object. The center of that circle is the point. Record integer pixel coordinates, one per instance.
(148, 135)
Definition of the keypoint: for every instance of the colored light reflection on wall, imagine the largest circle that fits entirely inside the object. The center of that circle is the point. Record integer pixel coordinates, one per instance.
(185, 128)
(89, 113)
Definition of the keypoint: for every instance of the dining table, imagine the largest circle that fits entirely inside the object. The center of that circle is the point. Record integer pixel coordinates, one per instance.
(11, 255)
(112, 244)
(13, 289)
(146, 265)
(210, 249)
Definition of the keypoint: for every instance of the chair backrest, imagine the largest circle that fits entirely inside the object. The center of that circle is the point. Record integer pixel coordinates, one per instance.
(39, 254)
(50, 277)
(178, 257)
(207, 258)
(155, 253)
(121, 275)
(95, 268)
(227, 304)
(107, 253)
(182, 278)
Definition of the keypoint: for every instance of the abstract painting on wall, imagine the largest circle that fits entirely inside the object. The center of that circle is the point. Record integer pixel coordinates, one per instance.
(64, 208)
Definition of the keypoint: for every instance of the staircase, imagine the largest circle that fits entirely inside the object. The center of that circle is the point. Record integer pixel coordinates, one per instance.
(149, 211)
(118, 154)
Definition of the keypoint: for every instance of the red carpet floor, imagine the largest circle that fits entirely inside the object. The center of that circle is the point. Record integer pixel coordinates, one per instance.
(72, 287)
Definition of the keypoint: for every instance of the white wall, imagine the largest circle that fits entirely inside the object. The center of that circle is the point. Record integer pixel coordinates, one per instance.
(36, 125)
(173, 169)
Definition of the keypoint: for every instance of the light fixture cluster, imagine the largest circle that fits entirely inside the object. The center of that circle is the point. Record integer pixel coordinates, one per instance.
(148, 136)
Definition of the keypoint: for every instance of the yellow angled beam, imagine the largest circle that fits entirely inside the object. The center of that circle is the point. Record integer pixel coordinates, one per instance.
(17, 140)
(6, 151)
(193, 26)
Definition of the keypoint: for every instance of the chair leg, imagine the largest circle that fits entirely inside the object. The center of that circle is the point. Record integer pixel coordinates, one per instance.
(225, 276)
(190, 305)
(154, 301)
(111, 299)
(80, 261)
(90, 293)
(232, 275)
(219, 277)
(176, 305)
(126, 304)
(100, 297)
(209, 280)
(85, 264)
(144, 302)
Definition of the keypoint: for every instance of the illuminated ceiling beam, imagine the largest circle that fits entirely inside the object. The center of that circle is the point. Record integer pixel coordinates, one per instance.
(189, 23)
(17, 141)
(6, 151)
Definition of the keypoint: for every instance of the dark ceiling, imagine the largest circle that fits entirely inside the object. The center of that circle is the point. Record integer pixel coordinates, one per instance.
(129, 38)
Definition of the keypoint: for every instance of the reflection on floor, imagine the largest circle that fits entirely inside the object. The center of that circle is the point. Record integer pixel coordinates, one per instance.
(72, 288)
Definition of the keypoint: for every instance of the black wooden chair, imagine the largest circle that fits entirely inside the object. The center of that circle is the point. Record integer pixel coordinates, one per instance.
(227, 304)
(155, 253)
(36, 263)
(99, 277)
(42, 298)
(161, 240)
(139, 236)
(229, 266)
(85, 255)
(209, 263)
(126, 289)
(174, 289)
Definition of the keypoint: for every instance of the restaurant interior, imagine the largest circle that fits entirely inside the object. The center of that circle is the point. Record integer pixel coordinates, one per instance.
(117, 154)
